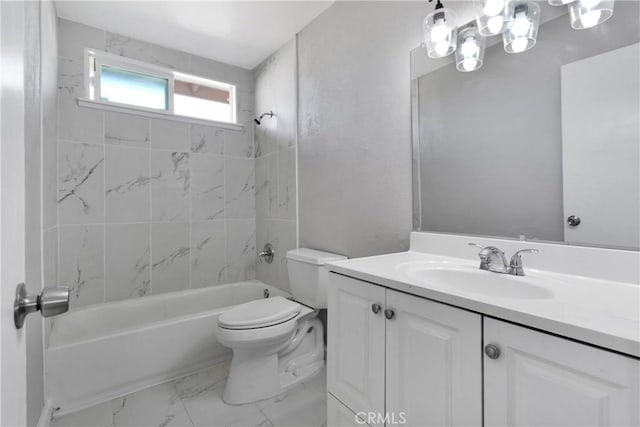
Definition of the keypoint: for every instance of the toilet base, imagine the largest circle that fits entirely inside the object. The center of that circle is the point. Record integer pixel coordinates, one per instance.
(255, 376)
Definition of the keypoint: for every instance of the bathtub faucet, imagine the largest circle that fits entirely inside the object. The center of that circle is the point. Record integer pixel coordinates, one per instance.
(266, 254)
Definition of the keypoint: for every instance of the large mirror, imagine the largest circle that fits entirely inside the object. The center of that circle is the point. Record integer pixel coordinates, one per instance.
(542, 144)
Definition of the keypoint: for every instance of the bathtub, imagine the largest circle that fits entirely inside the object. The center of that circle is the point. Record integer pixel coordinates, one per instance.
(101, 352)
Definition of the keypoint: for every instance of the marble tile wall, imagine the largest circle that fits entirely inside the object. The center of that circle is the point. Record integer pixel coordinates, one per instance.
(146, 206)
(275, 172)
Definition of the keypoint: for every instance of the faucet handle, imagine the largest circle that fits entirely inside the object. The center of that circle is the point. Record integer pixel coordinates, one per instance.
(476, 245)
(515, 265)
(523, 251)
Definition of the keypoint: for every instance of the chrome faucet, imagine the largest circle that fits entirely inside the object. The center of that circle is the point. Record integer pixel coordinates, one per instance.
(493, 259)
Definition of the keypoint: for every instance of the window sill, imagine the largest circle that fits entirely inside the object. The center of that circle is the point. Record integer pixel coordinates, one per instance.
(83, 102)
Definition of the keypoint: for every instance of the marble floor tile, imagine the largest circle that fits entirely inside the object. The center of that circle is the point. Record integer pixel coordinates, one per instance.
(304, 405)
(196, 400)
(208, 409)
(155, 406)
(198, 383)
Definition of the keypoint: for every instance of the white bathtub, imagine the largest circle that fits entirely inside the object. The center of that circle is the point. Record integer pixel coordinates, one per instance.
(105, 351)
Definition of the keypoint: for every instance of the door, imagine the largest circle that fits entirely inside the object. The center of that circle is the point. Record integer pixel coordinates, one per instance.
(542, 380)
(339, 415)
(13, 407)
(355, 344)
(434, 363)
(601, 147)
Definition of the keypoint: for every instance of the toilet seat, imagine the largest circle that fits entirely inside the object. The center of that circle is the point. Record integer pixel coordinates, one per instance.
(260, 314)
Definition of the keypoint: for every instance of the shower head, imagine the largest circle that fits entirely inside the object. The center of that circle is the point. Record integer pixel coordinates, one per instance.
(258, 120)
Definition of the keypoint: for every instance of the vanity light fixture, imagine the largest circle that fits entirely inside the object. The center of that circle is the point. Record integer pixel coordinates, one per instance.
(470, 52)
(493, 16)
(517, 20)
(440, 31)
(522, 34)
(589, 13)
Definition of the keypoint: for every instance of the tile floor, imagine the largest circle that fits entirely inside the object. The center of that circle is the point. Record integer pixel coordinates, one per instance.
(196, 400)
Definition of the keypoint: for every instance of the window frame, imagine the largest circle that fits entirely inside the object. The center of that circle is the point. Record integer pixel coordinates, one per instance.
(101, 58)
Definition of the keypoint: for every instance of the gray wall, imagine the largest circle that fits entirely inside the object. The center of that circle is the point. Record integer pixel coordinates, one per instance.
(354, 126)
(491, 141)
(147, 206)
(275, 139)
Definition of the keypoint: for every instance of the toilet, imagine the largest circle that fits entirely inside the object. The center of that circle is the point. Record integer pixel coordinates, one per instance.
(277, 342)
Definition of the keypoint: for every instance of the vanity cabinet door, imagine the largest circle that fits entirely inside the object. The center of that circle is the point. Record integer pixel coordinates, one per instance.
(542, 380)
(434, 363)
(355, 344)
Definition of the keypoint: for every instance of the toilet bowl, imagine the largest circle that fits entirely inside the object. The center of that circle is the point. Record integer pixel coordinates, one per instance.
(277, 342)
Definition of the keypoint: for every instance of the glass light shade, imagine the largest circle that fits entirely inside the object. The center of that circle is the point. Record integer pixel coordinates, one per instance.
(493, 16)
(589, 13)
(560, 2)
(440, 32)
(470, 51)
(522, 33)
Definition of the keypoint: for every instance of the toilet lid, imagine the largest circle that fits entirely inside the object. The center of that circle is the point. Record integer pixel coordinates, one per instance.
(259, 314)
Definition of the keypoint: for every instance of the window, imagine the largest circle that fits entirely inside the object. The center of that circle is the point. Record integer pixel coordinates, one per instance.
(123, 82)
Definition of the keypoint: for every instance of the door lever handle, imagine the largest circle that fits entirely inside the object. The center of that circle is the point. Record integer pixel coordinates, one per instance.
(50, 302)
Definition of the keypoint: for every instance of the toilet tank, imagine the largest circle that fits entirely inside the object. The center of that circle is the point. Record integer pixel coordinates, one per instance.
(308, 275)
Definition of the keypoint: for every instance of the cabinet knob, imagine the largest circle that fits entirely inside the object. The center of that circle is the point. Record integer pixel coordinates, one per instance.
(492, 351)
(376, 308)
(574, 221)
(389, 313)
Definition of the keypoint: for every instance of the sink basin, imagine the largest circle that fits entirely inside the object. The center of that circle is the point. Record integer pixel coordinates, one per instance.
(479, 282)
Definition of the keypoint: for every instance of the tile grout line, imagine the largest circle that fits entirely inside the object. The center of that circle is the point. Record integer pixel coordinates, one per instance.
(189, 210)
(150, 172)
(184, 406)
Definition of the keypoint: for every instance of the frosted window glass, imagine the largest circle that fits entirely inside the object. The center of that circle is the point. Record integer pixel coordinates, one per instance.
(202, 108)
(128, 87)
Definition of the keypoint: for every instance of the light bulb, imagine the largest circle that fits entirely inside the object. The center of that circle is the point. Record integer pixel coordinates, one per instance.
(494, 25)
(493, 7)
(589, 13)
(439, 32)
(591, 19)
(469, 64)
(520, 26)
(442, 47)
(470, 52)
(519, 44)
(469, 47)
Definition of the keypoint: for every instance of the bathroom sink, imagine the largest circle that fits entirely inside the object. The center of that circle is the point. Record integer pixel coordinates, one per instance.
(479, 282)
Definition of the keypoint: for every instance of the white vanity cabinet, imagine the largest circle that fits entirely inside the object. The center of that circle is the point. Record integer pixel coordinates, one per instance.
(538, 379)
(405, 359)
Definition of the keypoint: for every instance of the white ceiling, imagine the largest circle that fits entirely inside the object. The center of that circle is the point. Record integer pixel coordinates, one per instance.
(242, 33)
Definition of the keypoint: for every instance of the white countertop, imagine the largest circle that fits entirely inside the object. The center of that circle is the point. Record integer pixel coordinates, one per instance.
(597, 311)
